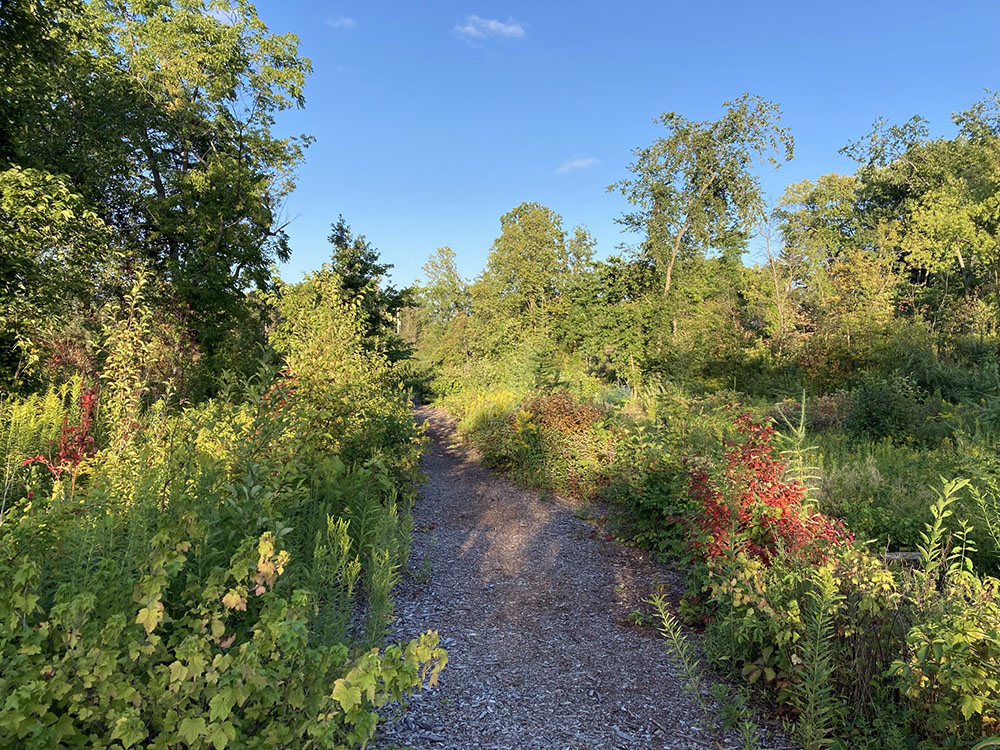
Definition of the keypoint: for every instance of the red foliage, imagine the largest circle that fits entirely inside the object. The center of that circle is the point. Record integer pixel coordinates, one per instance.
(75, 443)
(560, 411)
(68, 353)
(765, 511)
(279, 398)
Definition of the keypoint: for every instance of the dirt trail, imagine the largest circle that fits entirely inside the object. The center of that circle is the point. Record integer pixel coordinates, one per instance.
(532, 611)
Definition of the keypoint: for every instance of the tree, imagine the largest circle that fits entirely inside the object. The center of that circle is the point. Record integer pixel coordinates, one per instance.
(31, 48)
(444, 294)
(782, 270)
(935, 202)
(695, 189)
(580, 251)
(193, 178)
(51, 249)
(527, 261)
(363, 281)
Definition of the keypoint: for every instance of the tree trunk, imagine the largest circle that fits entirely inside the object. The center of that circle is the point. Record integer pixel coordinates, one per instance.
(680, 236)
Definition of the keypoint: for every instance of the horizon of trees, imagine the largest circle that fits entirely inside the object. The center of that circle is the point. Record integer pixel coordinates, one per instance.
(895, 268)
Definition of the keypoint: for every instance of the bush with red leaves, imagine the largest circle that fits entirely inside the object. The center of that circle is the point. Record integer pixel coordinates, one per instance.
(749, 506)
(560, 411)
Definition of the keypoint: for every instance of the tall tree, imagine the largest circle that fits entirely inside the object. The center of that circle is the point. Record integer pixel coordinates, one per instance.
(527, 261)
(363, 280)
(52, 247)
(696, 189)
(580, 251)
(934, 201)
(192, 173)
(445, 293)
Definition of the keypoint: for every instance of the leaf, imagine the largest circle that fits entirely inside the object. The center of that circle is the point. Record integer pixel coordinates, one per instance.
(971, 705)
(177, 672)
(191, 729)
(347, 695)
(129, 729)
(220, 735)
(221, 704)
(233, 600)
(218, 628)
(150, 617)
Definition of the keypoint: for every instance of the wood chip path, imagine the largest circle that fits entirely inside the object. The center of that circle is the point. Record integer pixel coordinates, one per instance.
(532, 608)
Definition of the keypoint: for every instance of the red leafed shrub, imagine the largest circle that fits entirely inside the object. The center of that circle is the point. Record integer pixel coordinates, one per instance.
(749, 506)
(76, 441)
(560, 411)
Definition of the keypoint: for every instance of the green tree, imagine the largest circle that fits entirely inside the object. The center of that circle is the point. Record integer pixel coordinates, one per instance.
(608, 319)
(363, 279)
(696, 189)
(580, 251)
(444, 294)
(52, 249)
(527, 262)
(934, 203)
(192, 178)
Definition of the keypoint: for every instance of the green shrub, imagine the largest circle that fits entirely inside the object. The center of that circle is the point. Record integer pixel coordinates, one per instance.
(213, 574)
(204, 661)
(882, 409)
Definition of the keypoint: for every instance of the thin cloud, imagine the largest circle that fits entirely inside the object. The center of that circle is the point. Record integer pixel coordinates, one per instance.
(475, 29)
(575, 164)
(341, 22)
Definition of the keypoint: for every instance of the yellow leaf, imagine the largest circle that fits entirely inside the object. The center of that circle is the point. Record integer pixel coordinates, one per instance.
(233, 600)
(150, 617)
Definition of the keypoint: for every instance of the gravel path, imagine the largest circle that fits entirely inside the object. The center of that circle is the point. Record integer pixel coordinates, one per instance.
(532, 608)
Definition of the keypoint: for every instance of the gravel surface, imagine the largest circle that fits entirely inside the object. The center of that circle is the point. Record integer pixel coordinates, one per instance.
(531, 602)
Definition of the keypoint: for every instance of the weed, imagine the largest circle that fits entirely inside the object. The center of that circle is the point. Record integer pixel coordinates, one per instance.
(640, 619)
(682, 650)
(423, 575)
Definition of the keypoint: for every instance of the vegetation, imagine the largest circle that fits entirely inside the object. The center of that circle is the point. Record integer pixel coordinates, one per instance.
(213, 574)
(207, 472)
(780, 430)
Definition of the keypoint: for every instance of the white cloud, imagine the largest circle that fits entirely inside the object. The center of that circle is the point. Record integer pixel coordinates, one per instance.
(475, 28)
(341, 22)
(574, 164)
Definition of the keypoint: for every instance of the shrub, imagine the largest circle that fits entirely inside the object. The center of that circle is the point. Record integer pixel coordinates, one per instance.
(745, 504)
(551, 440)
(217, 574)
(882, 409)
(205, 661)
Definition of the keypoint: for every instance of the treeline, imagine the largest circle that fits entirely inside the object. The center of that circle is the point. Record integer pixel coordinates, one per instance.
(207, 473)
(812, 438)
(891, 270)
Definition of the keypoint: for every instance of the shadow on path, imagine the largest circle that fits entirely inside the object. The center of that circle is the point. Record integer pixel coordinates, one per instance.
(531, 610)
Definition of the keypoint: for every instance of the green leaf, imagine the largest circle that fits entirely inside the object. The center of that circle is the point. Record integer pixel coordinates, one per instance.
(221, 704)
(971, 705)
(347, 695)
(220, 735)
(177, 672)
(191, 729)
(129, 729)
(150, 617)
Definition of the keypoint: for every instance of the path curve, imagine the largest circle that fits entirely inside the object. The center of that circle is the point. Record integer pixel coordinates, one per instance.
(532, 611)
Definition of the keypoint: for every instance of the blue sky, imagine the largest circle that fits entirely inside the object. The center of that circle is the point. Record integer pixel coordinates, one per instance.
(433, 119)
